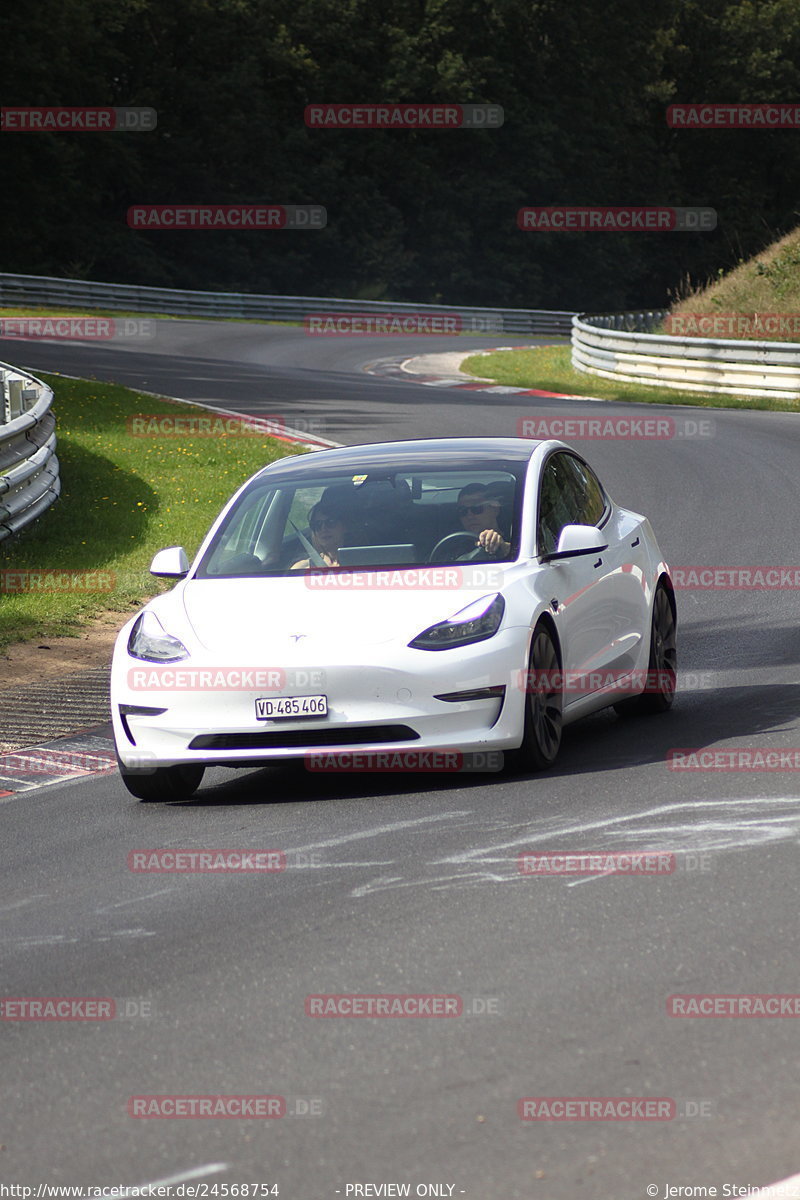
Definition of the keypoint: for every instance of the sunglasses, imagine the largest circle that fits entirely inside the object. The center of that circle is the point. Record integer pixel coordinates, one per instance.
(475, 509)
(323, 522)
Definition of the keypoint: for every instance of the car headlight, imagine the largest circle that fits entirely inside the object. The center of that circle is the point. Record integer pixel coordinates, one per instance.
(475, 623)
(149, 641)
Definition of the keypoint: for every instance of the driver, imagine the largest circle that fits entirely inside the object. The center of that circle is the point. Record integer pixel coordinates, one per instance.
(479, 510)
(327, 535)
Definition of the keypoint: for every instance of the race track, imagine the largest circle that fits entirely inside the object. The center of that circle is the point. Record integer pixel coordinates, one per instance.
(409, 884)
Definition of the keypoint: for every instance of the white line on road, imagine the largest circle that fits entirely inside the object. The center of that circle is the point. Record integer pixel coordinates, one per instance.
(22, 903)
(786, 1189)
(376, 832)
(724, 807)
(182, 1177)
(135, 900)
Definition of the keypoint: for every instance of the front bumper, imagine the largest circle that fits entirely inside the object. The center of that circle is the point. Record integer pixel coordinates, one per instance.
(398, 698)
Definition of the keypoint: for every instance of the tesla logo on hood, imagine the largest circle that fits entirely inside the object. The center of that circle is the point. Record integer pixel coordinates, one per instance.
(297, 636)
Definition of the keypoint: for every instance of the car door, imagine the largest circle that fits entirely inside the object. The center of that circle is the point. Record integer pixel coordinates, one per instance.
(595, 597)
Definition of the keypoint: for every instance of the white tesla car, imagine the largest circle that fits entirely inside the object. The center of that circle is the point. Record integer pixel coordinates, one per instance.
(449, 595)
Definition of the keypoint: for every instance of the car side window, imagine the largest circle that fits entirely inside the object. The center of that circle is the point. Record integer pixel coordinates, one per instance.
(570, 494)
(557, 504)
(589, 495)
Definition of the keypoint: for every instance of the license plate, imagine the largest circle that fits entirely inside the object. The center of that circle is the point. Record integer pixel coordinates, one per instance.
(291, 706)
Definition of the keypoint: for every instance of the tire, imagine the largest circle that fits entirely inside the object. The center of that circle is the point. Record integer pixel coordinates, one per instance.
(662, 664)
(164, 783)
(541, 736)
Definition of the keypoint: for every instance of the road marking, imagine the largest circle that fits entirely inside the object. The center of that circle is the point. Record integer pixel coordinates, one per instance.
(376, 832)
(786, 1189)
(22, 903)
(692, 828)
(733, 830)
(135, 900)
(302, 438)
(182, 1177)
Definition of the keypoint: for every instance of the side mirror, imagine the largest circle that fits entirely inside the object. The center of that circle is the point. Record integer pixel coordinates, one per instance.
(171, 563)
(576, 540)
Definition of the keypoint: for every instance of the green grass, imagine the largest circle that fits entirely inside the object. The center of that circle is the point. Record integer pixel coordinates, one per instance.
(767, 283)
(123, 497)
(60, 311)
(550, 368)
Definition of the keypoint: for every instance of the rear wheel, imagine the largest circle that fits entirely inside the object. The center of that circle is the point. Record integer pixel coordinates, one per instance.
(164, 783)
(544, 700)
(662, 664)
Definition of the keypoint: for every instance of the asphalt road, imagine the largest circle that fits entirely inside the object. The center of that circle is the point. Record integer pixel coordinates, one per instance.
(401, 884)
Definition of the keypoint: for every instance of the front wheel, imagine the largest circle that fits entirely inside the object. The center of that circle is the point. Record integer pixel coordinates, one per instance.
(544, 701)
(164, 783)
(662, 664)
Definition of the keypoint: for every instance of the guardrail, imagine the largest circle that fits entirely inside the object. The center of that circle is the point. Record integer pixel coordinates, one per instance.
(81, 293)
(29, 480)
(619, 346)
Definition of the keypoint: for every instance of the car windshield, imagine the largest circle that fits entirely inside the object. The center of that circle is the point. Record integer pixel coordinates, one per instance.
(347, 521)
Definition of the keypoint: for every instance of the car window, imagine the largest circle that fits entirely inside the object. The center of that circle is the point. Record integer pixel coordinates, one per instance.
(377, 518)
(570, 494)
(242, 532)
(588, 492)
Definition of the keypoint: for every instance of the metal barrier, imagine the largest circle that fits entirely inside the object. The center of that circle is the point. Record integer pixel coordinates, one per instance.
(29, 481)
(72, 293)
(619, 346)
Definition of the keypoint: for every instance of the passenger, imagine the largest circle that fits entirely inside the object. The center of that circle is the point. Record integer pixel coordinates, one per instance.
(479, 510)
(327, 535)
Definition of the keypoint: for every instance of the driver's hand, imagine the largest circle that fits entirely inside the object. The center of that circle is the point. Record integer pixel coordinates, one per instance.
(493, 542)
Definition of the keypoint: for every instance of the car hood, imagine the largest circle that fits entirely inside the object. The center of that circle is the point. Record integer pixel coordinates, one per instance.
(311, 616)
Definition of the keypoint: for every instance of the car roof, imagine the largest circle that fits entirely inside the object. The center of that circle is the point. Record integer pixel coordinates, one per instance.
(419, 454)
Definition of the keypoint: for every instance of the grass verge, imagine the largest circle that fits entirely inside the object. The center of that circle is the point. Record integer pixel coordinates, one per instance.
(747, 299)
(550, 368)
(123, 497)
(60, 311)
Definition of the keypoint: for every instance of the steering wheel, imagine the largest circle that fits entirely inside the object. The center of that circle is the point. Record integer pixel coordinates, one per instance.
(244, 563)
(450, 540)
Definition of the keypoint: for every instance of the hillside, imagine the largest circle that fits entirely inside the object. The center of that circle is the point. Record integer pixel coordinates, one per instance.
(758, 299)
